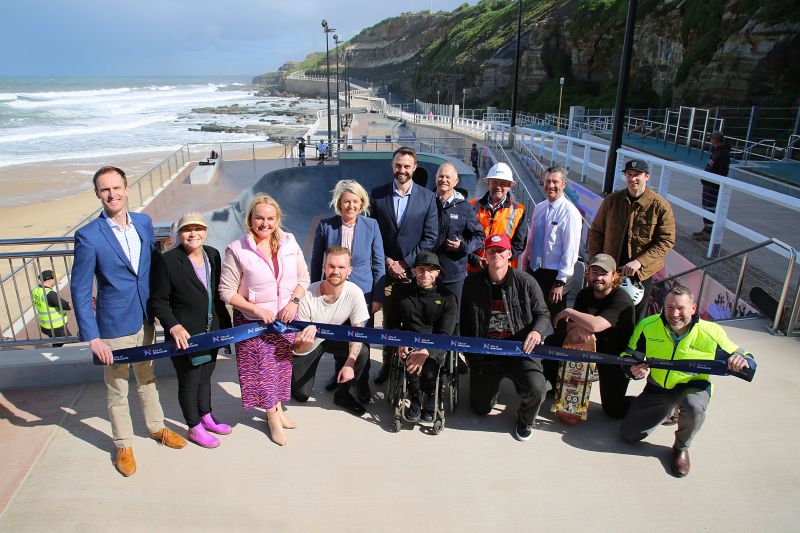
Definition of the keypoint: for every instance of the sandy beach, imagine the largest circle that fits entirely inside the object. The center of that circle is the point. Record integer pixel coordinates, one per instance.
(56, 196)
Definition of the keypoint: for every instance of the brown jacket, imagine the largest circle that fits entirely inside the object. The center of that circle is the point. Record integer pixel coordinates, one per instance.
(648, 222)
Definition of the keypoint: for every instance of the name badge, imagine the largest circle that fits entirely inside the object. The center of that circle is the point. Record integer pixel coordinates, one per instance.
(453, 216)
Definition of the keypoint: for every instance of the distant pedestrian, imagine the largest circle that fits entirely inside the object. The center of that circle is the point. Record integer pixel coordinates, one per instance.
(51, 310)
(301, 152)
(322, 151)
(719, 163)
(473, 159)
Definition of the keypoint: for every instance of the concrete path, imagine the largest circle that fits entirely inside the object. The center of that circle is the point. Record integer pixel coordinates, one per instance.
(342, 473)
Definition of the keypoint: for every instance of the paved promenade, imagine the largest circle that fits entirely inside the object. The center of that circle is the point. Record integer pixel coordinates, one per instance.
(342, 473)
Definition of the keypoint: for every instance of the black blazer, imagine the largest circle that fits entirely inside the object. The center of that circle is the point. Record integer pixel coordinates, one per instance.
(179, 297)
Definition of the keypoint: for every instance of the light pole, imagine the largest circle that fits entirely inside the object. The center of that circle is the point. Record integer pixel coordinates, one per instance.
(516, 69)
(338, 116)
(560, 96)
(328, 30)
(437, 101)
(463, 100)
(416, 80)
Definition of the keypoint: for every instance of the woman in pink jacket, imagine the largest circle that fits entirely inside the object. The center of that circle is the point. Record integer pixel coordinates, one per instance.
(263, 277)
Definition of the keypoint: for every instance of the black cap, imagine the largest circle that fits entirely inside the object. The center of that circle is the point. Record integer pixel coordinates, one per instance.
(639, 165)
(427, 259)
(47, 274)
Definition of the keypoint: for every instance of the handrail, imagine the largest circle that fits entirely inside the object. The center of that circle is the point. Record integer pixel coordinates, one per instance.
(792, 253)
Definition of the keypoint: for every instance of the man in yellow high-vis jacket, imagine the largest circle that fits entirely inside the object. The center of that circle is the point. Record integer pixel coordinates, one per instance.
(51, 311)
(676, 333)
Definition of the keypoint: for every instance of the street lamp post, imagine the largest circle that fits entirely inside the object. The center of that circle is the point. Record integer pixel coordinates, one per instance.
(516, 69)
(463, 100)
(338, 116)
(560, 96)
(328, 30)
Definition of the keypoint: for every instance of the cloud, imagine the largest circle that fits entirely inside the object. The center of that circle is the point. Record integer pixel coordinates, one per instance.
(93, 37)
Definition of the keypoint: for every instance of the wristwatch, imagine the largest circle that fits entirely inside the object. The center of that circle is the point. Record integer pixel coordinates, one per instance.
(559, 283)
(296, 300)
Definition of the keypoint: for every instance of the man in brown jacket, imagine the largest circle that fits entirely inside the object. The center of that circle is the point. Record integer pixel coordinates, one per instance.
(636, 227)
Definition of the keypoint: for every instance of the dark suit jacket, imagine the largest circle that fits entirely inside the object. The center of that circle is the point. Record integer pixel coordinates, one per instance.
(179, 297)
(419, 229)
(122, 294)
(367, 254)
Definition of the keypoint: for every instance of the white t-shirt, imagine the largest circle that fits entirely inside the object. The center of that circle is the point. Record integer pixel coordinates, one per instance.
(350, 305)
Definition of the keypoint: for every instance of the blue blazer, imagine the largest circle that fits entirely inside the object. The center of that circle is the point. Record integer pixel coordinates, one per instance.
(368, 259)
(419, 229)
(122, 294)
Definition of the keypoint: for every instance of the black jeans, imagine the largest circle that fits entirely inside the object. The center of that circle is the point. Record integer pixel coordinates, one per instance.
(709, 200)
(642, 309)
(194, 387)
(455, 288)
(545, 278)
(485, 374)
(426, 381)
(304, 367)
(56, 332)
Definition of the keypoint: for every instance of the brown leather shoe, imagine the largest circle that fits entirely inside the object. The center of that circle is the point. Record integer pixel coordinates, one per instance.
(125, 463)
(680, 462)
(169, 438)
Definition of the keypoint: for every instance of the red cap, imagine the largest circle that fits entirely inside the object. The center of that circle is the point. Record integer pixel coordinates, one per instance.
(497, 240)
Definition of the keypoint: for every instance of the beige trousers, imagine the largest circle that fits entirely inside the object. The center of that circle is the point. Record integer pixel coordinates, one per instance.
(116, 377)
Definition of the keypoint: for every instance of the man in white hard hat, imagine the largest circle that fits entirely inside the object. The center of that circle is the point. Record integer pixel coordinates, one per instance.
(498, 213)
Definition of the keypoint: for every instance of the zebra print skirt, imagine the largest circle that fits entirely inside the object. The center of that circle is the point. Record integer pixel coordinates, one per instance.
(264, 364)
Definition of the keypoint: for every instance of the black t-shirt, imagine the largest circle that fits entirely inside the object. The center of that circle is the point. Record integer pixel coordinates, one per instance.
(499, 320)
(617, 308)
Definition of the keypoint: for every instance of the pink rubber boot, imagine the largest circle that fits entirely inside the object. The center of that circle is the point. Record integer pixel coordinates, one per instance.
(210, 424)
(201, 437)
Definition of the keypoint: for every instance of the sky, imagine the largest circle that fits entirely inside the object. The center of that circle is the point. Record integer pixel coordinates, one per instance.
(180, 37)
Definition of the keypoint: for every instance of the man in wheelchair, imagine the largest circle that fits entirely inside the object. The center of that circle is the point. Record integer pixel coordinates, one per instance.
(422, 307)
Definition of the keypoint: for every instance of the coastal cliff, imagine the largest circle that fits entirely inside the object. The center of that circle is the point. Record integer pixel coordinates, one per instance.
(686, 52)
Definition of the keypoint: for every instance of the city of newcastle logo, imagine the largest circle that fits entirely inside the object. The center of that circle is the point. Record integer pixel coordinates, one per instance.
(423, 340)
(323, 331)
(459, 344)
(222, 338)
(390, 338)
(492, 347)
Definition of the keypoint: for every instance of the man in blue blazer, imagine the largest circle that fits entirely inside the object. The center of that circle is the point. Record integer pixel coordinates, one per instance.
(407, 217)
(115, 249)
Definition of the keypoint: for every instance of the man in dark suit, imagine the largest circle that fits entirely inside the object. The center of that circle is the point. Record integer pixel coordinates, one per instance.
(408, 220)
(115, 249)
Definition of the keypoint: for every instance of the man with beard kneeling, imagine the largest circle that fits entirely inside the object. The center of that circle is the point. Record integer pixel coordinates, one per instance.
(334, 300)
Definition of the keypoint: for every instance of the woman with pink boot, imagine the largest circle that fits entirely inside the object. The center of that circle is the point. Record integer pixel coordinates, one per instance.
(264, 276)
(185, 298)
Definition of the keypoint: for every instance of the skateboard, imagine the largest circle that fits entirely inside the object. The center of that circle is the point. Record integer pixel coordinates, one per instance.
(573, 387)
(768, 306)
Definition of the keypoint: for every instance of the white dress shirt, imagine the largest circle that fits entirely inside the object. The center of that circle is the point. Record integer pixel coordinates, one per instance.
(562, 238)
(128, 239)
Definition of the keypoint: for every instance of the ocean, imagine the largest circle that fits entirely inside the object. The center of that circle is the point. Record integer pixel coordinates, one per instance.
(59, 119)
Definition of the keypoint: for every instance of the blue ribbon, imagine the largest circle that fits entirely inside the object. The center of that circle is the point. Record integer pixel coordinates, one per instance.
(472, 345)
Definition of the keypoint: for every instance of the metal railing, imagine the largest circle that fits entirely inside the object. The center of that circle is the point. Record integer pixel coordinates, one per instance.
(785, 287)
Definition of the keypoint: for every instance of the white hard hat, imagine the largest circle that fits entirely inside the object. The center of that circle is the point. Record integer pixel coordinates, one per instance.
(500, 171)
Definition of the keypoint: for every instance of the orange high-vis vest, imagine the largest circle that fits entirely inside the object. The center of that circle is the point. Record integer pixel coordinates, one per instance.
(506, 220)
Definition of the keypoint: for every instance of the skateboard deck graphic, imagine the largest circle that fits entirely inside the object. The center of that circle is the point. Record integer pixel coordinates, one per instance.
(573, 387)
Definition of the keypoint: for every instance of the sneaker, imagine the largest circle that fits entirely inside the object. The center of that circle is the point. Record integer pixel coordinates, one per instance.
(429, 409)
(524, 431)
(413, 411)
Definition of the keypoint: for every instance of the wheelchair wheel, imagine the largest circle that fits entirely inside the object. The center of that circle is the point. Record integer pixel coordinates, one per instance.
(395, 384)
(438, 426)
(452, 383)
